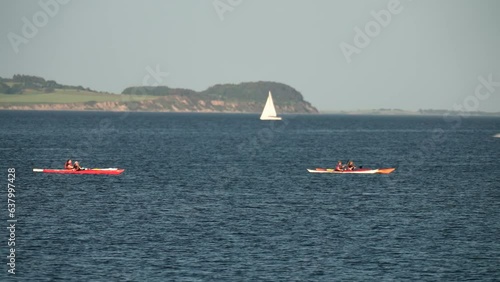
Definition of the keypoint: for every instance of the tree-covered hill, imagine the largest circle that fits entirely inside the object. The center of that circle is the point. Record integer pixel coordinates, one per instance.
(19, 84)
(243, 93)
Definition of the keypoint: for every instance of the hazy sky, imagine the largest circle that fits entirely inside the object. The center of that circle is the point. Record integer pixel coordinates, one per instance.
(428, 55)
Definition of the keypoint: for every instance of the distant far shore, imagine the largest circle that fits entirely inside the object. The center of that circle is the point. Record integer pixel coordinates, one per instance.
(26, 92)
(48, 108)
(32, 93)
(398, 112)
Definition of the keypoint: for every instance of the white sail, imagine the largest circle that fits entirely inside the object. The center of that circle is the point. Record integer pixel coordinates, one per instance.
(269, 112)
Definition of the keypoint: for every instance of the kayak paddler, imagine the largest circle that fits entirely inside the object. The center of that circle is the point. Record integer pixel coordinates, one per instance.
(350, 165)
(68, 164)
(78, 167)
(339, 167)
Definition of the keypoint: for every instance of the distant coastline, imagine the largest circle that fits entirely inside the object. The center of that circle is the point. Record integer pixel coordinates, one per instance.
(429, 113)
(24, 92)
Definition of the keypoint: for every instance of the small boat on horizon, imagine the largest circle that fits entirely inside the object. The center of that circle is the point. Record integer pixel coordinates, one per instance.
(269, 112)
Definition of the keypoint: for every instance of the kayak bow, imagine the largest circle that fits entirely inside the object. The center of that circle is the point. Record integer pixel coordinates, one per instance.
(87, 171)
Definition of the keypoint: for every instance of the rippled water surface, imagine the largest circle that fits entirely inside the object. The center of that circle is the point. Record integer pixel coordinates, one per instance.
(226, 197)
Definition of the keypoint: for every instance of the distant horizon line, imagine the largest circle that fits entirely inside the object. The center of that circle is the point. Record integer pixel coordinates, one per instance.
(395, 111)
(347, 113)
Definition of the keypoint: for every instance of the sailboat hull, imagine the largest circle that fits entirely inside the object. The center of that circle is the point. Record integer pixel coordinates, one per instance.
(270, 118)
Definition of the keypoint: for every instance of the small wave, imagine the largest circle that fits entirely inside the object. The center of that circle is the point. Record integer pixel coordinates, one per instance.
(50, 149)
(497, 135)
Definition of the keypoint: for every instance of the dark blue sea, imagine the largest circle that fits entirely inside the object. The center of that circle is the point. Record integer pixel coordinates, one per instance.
(227, 197)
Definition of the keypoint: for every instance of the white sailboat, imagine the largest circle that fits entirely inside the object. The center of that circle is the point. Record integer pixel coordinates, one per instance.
(269, 112)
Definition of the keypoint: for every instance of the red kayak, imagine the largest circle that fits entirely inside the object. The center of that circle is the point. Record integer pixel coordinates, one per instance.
(86, 171)
(356, 171)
